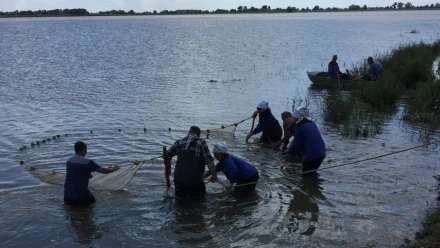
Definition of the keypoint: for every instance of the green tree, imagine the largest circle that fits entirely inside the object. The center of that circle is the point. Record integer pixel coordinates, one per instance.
(354, 7)
(408, 5)
(240, 8)
(400, 5)
(365, 7)
(316, 8)
(154, 12)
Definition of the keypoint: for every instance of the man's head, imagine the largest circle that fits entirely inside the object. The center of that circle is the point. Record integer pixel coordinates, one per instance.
(195, 130)
(286, 115)
(220, 150)
(334, 58)
(80, 148)
(262, 106)
(370, 60)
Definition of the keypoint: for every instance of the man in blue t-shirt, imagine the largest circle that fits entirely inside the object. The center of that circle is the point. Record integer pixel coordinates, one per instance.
(78, 173)
(375, 70)
(237, 170)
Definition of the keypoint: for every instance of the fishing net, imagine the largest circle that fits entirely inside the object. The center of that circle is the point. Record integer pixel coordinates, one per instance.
(116, 180)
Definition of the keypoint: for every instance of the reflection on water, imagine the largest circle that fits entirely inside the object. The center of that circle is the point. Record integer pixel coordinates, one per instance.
(304, 204)
(190, 221)
(81, 221)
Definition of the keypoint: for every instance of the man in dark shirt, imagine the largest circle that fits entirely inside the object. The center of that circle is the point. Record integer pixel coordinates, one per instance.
(333, 68)
(192, 155)
(78, 173)
(374, 71)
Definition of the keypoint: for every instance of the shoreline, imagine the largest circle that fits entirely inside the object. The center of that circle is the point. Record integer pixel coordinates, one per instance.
(218, 13)
(429, 233)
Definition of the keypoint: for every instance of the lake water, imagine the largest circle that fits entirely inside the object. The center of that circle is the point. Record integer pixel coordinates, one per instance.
(74, 75)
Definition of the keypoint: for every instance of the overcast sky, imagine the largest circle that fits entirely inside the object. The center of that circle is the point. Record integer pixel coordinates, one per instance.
(150, 5)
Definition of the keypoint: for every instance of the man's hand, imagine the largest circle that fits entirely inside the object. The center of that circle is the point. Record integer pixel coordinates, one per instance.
(254, 115)
(207, 174)
(213, 178)
(248, 137)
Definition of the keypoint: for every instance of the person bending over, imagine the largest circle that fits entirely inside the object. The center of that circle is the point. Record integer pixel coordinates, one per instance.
(237, 170)
(267, 124)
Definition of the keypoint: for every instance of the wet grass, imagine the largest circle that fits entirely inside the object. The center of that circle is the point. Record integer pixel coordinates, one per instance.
(409, 77)
(429, 235)
(353, 117)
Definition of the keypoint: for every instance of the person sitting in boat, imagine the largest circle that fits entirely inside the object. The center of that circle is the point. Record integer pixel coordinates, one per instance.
(237, 170)
(375, 70)
(308, 141)
(267, 124)
(333, 68)
(289, 124)
(78, 173)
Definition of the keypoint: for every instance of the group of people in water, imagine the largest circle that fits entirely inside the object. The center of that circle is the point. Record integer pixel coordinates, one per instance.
(374, 72)
(193, 155)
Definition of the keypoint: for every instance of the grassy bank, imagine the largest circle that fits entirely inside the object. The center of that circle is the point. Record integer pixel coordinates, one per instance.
(408, 79)
(429, 235)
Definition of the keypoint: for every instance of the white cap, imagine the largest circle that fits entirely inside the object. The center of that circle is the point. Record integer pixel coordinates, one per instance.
(300, 113)
(220, 147)
(263, 105)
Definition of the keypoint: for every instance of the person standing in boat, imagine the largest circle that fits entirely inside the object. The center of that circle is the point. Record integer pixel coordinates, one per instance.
(192, 155)
(375, 70)
(267, 124)
(333, 68)
(78, 173)
(237, 170)
(308, 141)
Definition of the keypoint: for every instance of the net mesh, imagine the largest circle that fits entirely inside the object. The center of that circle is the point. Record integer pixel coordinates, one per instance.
(116, 180)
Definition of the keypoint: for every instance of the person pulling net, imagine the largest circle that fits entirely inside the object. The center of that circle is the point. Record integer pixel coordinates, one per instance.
(268, 124)
(238, 171)
(119, 179)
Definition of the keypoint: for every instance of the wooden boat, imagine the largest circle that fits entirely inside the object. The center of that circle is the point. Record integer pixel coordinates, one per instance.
(320, 79)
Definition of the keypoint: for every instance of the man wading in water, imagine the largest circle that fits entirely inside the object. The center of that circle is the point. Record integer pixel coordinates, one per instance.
(267, 124)
(192, 155)
(78, 173)
(308, 141)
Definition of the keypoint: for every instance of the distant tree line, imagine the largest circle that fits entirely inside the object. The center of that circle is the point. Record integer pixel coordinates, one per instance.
(239, 9)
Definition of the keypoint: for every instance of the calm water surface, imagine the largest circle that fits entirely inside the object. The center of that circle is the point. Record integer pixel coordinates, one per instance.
(73, 75)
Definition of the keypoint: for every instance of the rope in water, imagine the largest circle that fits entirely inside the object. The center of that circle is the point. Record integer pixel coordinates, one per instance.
(348, 163)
